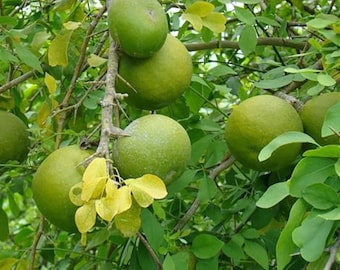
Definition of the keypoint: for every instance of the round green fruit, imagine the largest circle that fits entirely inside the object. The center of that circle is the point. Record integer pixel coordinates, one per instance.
(52, 182)
(139, 26)
(254, 123)
(157, 81)
(313, 114)
(14, 141)
(157, 145)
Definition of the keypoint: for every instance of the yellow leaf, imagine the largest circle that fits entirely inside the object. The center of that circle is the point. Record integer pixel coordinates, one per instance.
(146, 188)
(57, 52)
(70, 25)
(85, 217)
(200, 8)
(109, 206)
(45, 111)
(51, 83)
(128, 222)
(215, 22)
(75, 194)
(95, 60)
(94, 179)
(195, 20)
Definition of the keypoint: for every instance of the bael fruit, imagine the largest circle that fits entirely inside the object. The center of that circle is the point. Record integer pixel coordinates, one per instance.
(140, 26)
(14, 141)
(52, 182)
(157, 145)
(313, 115)
(254, 123)
(156, 81)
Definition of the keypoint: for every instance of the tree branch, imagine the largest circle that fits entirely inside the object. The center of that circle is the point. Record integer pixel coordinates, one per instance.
(333, 250)
(151, 251)
(272, 41)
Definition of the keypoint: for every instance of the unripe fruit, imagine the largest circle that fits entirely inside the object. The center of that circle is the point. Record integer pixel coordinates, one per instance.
(52, 182)
(14, 141)
(157, 145)
(254, 123)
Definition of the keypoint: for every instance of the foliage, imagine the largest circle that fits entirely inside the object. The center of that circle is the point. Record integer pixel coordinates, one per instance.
(54, 58)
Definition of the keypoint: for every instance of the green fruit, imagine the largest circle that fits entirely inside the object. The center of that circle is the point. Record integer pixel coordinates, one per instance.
(157, 145)
(52, 182)
(313, 115)
(254, 123)
(140, 26)
(158, 80)
(14, 141)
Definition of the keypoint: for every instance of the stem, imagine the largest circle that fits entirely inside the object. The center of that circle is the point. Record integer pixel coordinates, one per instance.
(151, 251)
(36, 241)
(332, 257)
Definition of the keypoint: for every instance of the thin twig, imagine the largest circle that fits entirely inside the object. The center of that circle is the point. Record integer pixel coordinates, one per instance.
(333, 250)
(151, 251)
(36, 242)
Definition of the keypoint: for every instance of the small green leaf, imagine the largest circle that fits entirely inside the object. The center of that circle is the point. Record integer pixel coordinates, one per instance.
(333, 214)
(303, 70)
(321, 196)
(273, 195)
(337, 167)
(331, 151)
(248, 40)
(257, 252)
(4, 229)
(205, 246)
(207, 190)
(331, 123)
(325, 79)
(152, 229)
(244, 15)
(27, 57)
(221, 70)
(275, 83)
(283, 139)
(322, 21)
(308, 171)
(311, 237)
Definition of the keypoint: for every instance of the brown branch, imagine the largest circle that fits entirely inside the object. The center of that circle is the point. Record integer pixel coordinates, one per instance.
(151, 251)
(333, 250)
(270, 41)
(196, 203)
(78, 69)
(36, 242)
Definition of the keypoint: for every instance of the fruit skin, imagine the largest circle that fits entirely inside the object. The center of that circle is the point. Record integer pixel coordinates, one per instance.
(14, 141)
(254, 123)
(140, 26)
(313, 114)
(157, 145)
(158, 80)
(52, 181)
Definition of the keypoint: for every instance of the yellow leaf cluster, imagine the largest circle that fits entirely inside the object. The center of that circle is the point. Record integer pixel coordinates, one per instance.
(98, 195)
(201, 14)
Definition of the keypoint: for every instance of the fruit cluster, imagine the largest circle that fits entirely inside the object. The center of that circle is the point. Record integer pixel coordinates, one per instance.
(258, 120)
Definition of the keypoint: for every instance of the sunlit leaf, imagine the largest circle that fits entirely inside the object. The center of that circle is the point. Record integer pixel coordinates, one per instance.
(325, 79)
(273, 195)
(147, 188)
(70, 25)
(51, 83)
(195, 20)
(75, 194)
(332, 151)
(321, 196)
(129, 222)
(215, 22)
(94, 179)
(57, 51)
(331, 123)
(45, 111)
(95, 60)
(200, 8)
(85, 217)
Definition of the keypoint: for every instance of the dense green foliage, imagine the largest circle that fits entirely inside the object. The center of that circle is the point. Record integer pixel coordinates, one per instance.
(218, 214)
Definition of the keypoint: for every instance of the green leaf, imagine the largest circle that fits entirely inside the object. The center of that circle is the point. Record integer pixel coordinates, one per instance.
(205, 246)
(207, 190)
(95, 60)
(333, 214)
(257, 252)
(211, 264)
(285, 245)
(248, 40)
(283, 139)
(168, 263)
(331, 122)
(27, 57)
(331, 151)
(215, 22)
(273, 195)
(337, 167)
(321, 196)
(244, 15)
(4, 229)
(331, 35)
(275, 83)
(322, 21)
(311, 237)
(129, 222)
(234, 248)
(325, 79)
(152, 229)
(221, 70)
(308, 171)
